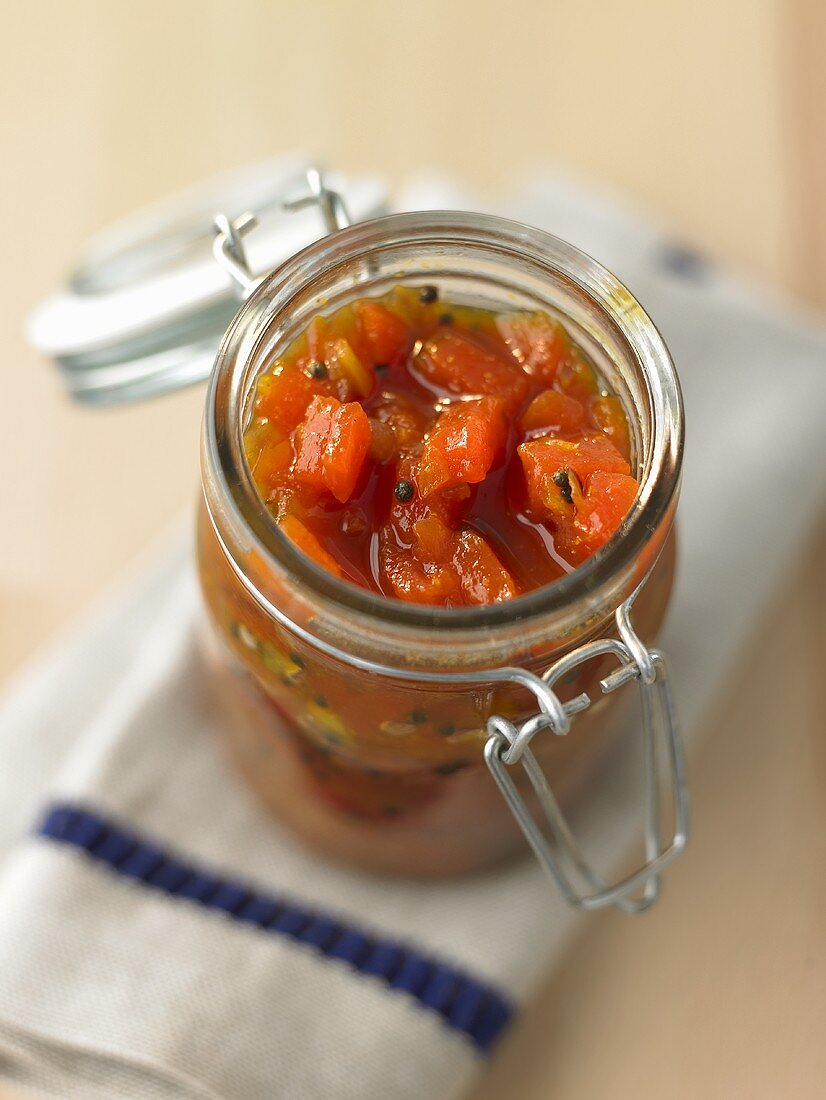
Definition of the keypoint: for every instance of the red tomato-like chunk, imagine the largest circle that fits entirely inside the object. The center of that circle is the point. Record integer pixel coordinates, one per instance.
(414, 581)
(445, 566)
(536, 341)
(284, 397)
(434, 540)
(466, 440)
(609, 415)
(599, 514)
(384, 336)
(609, 498)
(398, 424)
(404, 515)
(552, 409)
(463, 363)
(430, 450)
(307, 542)
(548, 463)
(332, 444)
(483, 577)
(273, 464)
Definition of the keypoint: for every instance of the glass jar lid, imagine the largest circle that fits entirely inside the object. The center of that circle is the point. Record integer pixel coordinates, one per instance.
(146, 307)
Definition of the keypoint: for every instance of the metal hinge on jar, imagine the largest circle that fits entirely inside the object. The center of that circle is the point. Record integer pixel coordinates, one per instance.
(553, 842)
(228, 244)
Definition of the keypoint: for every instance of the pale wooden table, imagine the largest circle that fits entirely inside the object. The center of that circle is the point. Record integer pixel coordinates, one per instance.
(721, 991)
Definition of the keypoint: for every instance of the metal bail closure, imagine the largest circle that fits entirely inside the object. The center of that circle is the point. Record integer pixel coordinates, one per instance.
(555, 846)
(228, 245)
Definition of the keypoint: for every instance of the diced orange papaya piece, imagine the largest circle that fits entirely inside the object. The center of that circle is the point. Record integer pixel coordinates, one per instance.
(347, 449)
(306, 541)
(406, 422)
(284, 396)
(384, 336)
(409, 579)
(537, 341)
(417, 542)
(382, 442)
(466, 363)
(403, 514)
(331, 446)
(609, 415)
(273, 463)
(552, 409)
(607, 501)
(548, 488)
(583, 456)
(577, 378)
(463, 445)
(483, 577)
(311, 439)
(444, 567)
(434, 539)
(546, 463)
(609, 498)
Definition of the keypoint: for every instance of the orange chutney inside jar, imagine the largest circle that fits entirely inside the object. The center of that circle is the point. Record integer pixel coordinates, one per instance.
(435, 454)
(440, 454)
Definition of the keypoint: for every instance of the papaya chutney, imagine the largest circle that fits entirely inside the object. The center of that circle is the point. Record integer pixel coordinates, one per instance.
(445, 456)
(440, 454)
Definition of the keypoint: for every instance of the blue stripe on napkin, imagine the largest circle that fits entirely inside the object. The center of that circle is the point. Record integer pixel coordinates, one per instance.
(470, 1006)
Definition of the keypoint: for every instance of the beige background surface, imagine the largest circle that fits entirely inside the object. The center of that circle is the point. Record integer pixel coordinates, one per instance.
(710, 113)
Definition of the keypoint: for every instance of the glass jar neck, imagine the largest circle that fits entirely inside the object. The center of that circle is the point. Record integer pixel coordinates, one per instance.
(475, 260)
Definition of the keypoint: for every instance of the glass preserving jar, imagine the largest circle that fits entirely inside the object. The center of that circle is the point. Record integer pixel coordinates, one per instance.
(399, 737)
(385, 733)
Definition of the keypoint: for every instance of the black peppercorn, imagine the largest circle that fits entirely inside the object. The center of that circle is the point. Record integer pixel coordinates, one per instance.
(428, 294)
(418, 716)
(380, 368)
(561, 479)
(445, 318)
(404, 490)
(318, 369)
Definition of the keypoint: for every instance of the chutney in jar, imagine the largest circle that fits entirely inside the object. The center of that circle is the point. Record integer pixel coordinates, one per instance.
(436, 445)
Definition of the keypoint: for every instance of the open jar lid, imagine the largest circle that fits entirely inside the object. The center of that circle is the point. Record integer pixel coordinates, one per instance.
(144, 311)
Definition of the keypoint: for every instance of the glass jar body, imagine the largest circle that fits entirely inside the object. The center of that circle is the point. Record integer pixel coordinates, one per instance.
(383, 766)
(387, 774)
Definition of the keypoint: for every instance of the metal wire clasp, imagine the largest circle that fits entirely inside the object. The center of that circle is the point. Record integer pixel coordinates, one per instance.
(557, 850)
(228, 244)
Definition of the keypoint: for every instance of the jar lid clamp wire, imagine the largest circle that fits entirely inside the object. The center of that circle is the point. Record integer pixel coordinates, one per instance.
(560, 855)
(228, 245)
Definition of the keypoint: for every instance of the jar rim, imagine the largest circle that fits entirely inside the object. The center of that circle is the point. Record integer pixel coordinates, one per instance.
(226, 466)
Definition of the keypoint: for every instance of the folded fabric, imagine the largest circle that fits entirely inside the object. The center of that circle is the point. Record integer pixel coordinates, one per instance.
(161, 937)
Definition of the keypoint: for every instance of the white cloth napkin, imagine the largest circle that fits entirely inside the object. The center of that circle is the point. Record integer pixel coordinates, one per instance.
(161, 937)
